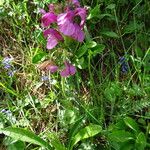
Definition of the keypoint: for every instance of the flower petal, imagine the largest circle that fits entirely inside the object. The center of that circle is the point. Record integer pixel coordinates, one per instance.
(51, 42)
(48, 18)
(52, 68)
(82, 13)
(78, 34)
(67, 28)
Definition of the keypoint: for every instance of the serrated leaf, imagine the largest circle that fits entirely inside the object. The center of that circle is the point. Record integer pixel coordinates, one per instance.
(110, 34)
(87, 132)
(24, 135)
(131, 124)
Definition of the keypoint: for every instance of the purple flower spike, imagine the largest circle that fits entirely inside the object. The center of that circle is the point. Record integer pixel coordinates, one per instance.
(52, 68)
(69, 70)
(53, 37)
(48, 18)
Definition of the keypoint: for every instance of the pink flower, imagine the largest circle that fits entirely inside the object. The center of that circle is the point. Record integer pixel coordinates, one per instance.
(68, 26)
(69, 70)
(52, 68)
(48, 17)
(53, 37)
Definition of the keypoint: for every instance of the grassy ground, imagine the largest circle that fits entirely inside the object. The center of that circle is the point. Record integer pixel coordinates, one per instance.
(106, 105)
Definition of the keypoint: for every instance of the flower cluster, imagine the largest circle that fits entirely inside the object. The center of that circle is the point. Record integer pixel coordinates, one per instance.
(7, 64)
(69, 23)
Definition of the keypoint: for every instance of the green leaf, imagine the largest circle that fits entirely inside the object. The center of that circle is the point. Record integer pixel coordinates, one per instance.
(24, 135)
(128, 145)
(110, 34)
(19, 145)
(82, 63)
(81, 51)
(91, 44)
(120, 136)
(139, 52)
(95, 12)
(132, 27)
(8, 90)
(38, 35)
(141, 141)
(88, 131)
(109, 16)
(131, 124)
(38, 57)
(55, 142)
(74, 130)
(97, 49)
(111, 6)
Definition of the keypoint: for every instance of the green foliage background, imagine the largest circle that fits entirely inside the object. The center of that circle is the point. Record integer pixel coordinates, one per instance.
(100, 107)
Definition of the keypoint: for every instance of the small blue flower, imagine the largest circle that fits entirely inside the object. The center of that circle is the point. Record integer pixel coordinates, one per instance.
(7, 62)
(11, 73)
(44, 78)
(124, 64)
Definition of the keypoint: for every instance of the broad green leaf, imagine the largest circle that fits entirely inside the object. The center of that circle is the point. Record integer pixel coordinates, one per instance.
(120, 136)
(24, 135)
(141, 141)
(95, 12)
(38, 57)
(110, 34)
(87, 132)
(131, 124)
